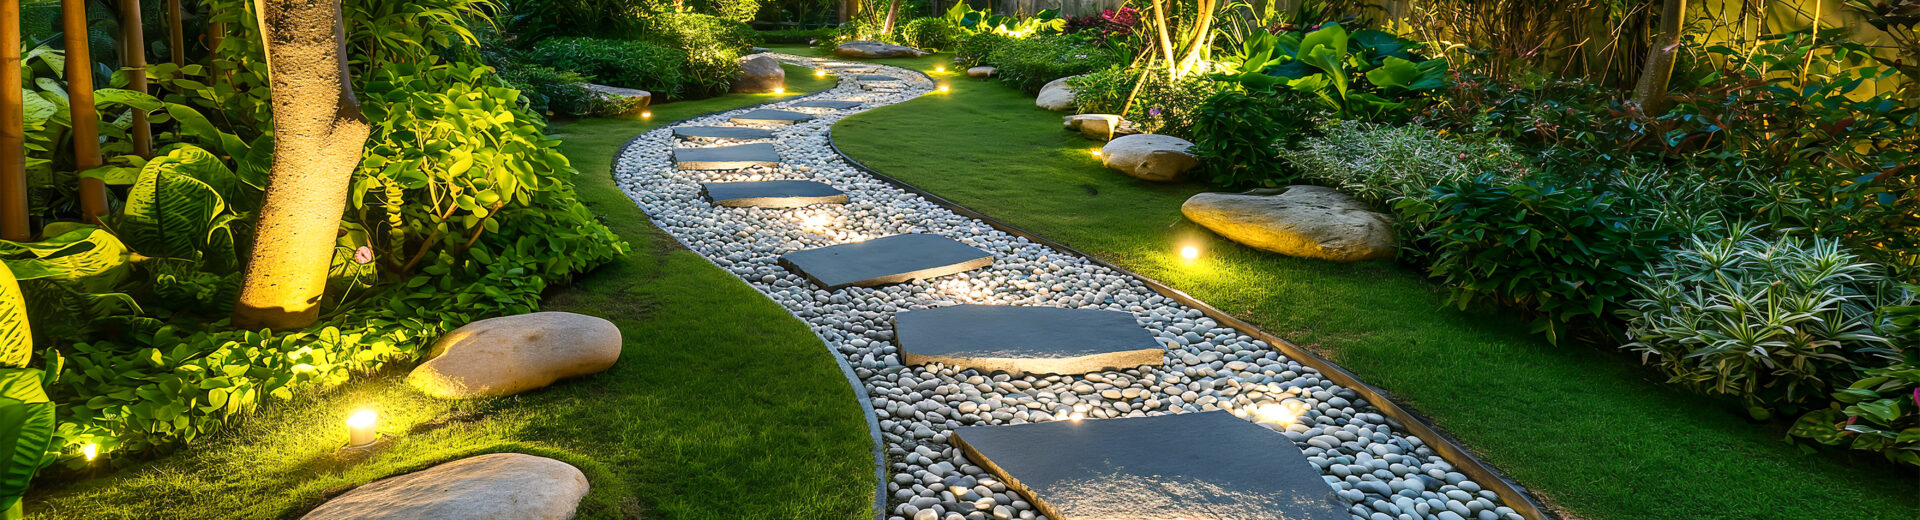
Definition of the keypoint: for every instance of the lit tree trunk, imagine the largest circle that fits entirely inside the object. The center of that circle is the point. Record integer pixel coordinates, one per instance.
(13, 136)
(133, 51)
(176, 35)
(318, 134)
(86, 122)
(1651, 91)
(1201, 40)
(893, 10)
(846, 10)
(1166, 43)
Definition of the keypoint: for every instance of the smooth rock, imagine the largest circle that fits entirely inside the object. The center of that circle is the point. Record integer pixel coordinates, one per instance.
(874, 49)
(1303, 221)
(1152, 157)
(503, 486)
(512, 354)
(634, 100)
(1100, 127)
(981, 72)
(760, 74)
(1056, 95)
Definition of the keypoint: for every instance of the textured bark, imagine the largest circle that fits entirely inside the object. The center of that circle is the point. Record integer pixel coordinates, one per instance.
(893, 10)
(1651, 91)
(133, 45)
(318, 136)
(13, 137)
(86, 121)
(176, 34)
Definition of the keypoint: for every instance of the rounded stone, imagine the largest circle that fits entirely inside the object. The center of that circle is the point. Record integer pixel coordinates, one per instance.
(512, 354)
(502, 486)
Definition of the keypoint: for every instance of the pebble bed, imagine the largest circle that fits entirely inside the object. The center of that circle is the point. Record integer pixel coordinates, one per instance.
(1381, 473)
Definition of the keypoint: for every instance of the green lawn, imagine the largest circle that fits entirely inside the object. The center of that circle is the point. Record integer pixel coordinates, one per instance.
(1594, 433)
(723, 406)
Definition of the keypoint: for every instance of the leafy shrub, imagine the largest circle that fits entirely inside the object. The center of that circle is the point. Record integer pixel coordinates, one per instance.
(732, 10)
(712, 46)
(1560, 254)
(859, 29)
(552, 91)
(1382, 164)
(1238, 137)
(800, 36)
(1028, 64)
(972, 49)
(620, 63)
(1331, 64)
(1879, 412)
(928, 33)
(1775, 323)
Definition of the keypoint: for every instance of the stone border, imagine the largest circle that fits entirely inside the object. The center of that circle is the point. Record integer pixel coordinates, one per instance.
(1511, 493)
(846, 370)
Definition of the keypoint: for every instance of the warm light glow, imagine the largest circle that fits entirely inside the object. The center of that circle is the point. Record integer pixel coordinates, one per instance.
(819, 73)
(1076, 416)
(360, 427)
(940, 69)
(90, 451)
(779, 90)
(1278, 414)
(646, 115)
(943, 88)
(1189, 253)
(1095, 152)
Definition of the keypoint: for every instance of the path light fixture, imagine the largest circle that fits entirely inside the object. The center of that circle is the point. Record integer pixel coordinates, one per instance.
(647, 114)
(1095, 152)
(943, 89)
(819, 73)
(90, 451)
(1277, 413)
(360, 428)
(942, 68)
(779, 90)
(1189, 253)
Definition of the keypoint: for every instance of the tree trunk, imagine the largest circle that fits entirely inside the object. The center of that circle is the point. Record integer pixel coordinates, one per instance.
(1201, 41)
(13, 132)
(176, 34)
(1651, 91)
(846, 10)
(893, 10)
(86, 122)
(318, 134)
(133, 56)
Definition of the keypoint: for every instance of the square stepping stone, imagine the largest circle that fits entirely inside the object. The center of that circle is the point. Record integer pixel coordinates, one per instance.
(726, 157)
(1194, 466)
(876, 77)
(1022, 340)
(885, 260)
(768, 116)
(826, 103)
(772, 194)
(709, 133)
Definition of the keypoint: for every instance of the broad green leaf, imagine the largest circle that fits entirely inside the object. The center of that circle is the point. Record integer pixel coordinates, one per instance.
(23, 384)
(16, 337)
(1394, 73)
(38, 109)
(26, 431)
(170, 210)
(85, 257)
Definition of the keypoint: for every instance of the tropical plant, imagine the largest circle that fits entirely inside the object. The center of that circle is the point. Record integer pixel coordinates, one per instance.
(1239, 137)
(26, 415)
(970, 21)
(928, 33)
(621, 63)
(1879, 412)
(1777, 323)
(1329, 63)
(1030, 63)
(1382, 164)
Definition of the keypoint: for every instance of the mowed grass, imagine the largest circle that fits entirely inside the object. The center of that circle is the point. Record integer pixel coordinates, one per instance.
(1594, 433)
(723, 406)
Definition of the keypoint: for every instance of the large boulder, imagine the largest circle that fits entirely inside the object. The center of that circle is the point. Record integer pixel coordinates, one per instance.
(624, 100)
(1056, 95)
(502, 486)
(873, 49)
(981, 71)
(1304, 221)
(1100, 127)
(513, 354)
(1152, 157)
(760, 73)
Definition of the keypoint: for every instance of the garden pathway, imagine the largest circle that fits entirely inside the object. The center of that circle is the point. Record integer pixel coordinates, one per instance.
(1373, 470)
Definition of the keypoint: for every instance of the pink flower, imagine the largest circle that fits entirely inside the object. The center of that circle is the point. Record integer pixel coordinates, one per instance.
(363, 255)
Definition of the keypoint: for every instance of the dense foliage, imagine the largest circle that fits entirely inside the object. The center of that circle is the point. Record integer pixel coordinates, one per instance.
(620, 63)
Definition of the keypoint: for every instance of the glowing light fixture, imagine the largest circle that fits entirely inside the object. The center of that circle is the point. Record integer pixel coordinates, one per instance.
(779, 90)
(819, 73)
(1279, 414)
(1095, 152)
(646, 114)
(943, 89)
(90, 451)
(941, 68)
(360, 428)
(1189, 253)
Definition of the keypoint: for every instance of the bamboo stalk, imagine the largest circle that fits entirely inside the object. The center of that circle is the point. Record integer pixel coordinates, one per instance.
(176, 35)
(133, 50)
(86, 122)
(13, 132)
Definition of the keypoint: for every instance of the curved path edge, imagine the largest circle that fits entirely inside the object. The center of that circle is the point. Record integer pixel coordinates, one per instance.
(1511, 492)
(878, 444)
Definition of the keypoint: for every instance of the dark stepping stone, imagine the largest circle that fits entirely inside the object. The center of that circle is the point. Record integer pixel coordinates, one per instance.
(1021, 340)
(876, 77)
(1208, 465)
(721, 132)
(726, 157)
(885, 260)
(823, 103)
(768, 116)
(772, 194)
